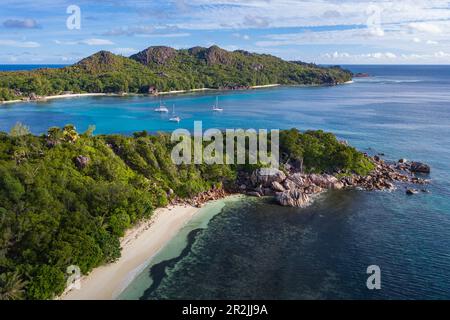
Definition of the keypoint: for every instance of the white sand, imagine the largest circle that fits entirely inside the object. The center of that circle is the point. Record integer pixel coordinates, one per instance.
(77, 95)
(60, 96)
(74, 95)
(139, 245)
(265, 86)
(11, 101)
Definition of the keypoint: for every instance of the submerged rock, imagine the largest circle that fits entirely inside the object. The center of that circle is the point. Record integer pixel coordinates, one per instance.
(254, 194)
(411, 191)
(420, 167)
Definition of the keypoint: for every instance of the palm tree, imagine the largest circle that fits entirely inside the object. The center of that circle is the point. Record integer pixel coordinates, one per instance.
(70, 133)
(11, 286)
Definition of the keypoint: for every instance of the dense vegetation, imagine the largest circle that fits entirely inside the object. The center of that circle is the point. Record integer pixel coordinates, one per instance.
(321, 152)
(164, 69)
(57, 210)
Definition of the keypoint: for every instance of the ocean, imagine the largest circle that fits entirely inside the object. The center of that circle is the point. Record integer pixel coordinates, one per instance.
(28, 67)
(253, 249)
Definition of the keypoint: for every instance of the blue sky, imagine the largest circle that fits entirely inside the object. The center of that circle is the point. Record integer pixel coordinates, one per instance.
(321, 31)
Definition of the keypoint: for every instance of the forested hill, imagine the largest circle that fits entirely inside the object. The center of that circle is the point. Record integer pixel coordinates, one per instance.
(164, 69)
(66, 198)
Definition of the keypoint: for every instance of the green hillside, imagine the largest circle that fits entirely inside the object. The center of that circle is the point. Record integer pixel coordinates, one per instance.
(164, 69)
(66, 198)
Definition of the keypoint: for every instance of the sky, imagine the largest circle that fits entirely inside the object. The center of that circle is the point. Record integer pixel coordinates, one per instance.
(319, 31)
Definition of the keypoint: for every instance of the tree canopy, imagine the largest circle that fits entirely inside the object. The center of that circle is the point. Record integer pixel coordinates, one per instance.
(165, 69)
(66, 198)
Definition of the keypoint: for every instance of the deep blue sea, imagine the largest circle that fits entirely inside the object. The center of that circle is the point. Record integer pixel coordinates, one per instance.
(27, 67)
(257, 250)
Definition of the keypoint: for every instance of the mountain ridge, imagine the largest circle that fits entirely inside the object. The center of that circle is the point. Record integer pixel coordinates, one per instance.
(162, 68)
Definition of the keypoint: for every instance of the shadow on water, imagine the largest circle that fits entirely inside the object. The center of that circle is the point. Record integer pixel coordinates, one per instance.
(158, 271)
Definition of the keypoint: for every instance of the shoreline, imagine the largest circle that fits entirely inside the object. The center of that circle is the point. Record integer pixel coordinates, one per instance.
(139, 245)
(61, 96)
(100, 94)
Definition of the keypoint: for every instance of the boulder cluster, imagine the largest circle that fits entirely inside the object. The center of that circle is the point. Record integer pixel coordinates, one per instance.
(297, 189)
(82, 161)
(200, 199)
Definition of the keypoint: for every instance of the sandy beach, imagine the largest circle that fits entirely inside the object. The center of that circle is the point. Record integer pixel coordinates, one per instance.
(139, 245)
(265, 86)
(60, 96)
(74, 95)
(78, 95)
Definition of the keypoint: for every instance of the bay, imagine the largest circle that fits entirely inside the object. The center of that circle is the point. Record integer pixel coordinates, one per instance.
(254, 249)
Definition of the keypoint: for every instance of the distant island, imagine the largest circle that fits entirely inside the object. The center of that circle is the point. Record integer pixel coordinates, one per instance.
(163, 69)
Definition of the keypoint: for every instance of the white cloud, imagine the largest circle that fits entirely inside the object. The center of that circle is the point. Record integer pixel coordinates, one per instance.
(441, 54)
(19, 44)
(21, 24)
(385, 57)
(345, 55)
(166, 35)
(425, 27)
(89, 42)
(239, 14)
(97, 42)
(241, 36)
(67, 43)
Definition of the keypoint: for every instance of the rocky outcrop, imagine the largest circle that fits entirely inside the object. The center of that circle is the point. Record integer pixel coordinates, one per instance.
(411, 191)
(257, 66)
(82, 162)
(160, 55)
(276, 186)
(201, 198)
(420, 167)
(293, 198)
(297, 189)
(215, 55)
(152, 90)
(212, 55)
(265, 177)
(234, 87)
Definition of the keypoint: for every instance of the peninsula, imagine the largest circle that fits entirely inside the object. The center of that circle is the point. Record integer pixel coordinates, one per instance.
(68, 198)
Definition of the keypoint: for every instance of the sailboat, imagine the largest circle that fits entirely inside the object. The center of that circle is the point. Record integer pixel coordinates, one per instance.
(216, 107)
(174, 118)
(162, 108)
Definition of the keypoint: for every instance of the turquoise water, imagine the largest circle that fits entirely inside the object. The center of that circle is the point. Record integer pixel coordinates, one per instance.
(254, 249)
(175, 250)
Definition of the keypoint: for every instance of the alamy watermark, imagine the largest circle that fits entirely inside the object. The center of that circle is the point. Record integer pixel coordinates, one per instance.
(230, 146)
(73, 22)
(73, 280)
(374, 280)
(373, 22)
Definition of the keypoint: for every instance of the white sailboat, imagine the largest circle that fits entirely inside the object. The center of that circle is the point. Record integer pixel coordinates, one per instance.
(162, 108)
(174, 118)
(216, 107)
